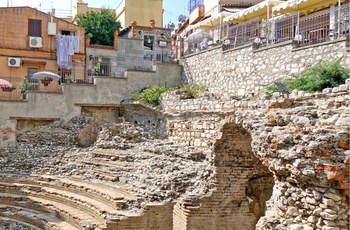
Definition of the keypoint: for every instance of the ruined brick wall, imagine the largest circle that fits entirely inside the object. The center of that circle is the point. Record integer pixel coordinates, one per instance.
(153, 217)
(229, 204)
(302, 140)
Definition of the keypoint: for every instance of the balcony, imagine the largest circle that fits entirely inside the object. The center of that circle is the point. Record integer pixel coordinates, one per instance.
(196, 15)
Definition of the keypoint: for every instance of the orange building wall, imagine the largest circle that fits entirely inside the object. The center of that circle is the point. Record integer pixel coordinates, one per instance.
(14, 41)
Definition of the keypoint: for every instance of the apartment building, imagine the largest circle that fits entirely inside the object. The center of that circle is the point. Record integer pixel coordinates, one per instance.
(30, 40)
(140, 11)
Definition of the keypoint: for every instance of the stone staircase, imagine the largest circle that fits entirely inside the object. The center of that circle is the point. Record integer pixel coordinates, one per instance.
(52, 202)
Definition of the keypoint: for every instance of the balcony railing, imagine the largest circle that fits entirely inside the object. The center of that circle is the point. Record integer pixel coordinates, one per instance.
(20, 89)
(318, 27)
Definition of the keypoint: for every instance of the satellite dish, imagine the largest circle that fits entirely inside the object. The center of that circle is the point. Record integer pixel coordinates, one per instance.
(182, 18)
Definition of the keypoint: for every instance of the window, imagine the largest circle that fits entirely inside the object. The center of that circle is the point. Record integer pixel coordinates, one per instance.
(34, 27)
(63, 72)
(101, 66)
(34, 82)
(104, 67)
(67, 32)
(148, 42)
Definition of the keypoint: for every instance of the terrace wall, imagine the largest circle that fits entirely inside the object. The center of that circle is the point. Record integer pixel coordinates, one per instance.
(246, 70)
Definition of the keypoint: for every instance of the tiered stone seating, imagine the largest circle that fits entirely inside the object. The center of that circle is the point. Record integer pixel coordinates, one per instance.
(108, 164)
(52, 202)
(23, 216)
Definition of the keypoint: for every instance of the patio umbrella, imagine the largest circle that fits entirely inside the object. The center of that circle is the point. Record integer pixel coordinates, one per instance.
(46, 74)
(6, 84)
(198, 37)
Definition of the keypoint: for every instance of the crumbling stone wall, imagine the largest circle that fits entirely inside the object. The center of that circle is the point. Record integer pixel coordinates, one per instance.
(232, 202)
(228, 163)
(302, 140)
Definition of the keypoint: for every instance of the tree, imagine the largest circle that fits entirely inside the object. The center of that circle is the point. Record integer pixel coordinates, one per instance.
(99, 26)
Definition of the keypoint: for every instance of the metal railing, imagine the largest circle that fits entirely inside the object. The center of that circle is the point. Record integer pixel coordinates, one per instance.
(242, 33)
(22, 85)
(202, 40)
(283, 28)
(326, 25)
(315, 28)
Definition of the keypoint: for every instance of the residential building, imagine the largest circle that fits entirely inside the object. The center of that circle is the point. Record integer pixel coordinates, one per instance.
(140, 11)
(29, 43)
(80, 7)
(135, 48)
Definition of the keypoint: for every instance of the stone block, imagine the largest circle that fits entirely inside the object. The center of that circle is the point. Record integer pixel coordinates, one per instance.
(343, 145)
(335, 90)
(347, 81)
(343, 88)
(335, 177)
(319, 167)
(344, 186)
(332, 168)
(327, 90)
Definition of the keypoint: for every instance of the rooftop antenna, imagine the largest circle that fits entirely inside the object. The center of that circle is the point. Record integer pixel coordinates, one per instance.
(40, 4)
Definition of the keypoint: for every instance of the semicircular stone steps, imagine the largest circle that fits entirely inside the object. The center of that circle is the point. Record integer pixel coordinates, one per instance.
(72, 201)
(30, 218)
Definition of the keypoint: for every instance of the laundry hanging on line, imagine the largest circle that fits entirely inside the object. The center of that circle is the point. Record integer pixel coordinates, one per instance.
(65, 48)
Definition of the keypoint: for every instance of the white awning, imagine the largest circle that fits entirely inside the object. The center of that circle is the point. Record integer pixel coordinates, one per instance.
(213, 21)
(303, 5)
(258, 10)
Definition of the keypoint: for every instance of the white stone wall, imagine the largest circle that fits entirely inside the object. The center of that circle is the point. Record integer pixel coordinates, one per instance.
(245, 71)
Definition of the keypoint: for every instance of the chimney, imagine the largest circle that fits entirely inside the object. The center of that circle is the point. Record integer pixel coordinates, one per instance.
(133, 28)
(153, 23)
(115, 40)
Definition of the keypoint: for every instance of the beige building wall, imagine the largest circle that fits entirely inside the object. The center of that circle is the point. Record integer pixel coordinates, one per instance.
(80, 7)
(141, 11)
(211, 7)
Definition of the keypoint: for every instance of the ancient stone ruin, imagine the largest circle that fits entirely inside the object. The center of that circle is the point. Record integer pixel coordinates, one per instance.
(205, 163)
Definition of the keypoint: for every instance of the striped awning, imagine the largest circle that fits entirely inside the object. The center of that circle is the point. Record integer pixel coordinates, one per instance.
(303, 5)
(258, 10)
(213, 21)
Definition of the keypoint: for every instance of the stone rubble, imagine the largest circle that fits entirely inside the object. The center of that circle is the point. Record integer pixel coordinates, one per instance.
(303, 140)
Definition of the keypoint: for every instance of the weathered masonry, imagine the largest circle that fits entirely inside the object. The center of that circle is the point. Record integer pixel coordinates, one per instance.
(214, 162)
(245, 71)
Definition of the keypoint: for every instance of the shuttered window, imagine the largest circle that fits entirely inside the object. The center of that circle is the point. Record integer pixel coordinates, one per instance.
(34, 27)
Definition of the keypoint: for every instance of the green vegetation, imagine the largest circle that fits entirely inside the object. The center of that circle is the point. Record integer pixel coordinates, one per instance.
(151, 94)
(193, 90)
(99, 26)
(68, 79)
(315, 79)
(23, 87)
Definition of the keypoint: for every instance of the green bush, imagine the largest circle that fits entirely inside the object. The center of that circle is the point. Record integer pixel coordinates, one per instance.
(150, 94)
(23, 87)
(193, 90)
(315, 79)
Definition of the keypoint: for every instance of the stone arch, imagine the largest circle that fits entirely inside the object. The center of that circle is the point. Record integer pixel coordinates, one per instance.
(241, 188)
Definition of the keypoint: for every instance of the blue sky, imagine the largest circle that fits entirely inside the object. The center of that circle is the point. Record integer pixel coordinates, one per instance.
(172, 8)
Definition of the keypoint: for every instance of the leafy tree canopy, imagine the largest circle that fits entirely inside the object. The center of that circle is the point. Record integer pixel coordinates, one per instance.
(99, 26)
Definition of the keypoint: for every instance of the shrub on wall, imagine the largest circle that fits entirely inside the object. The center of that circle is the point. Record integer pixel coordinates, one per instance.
(192, 91)
(150, 94)
(315, 79)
